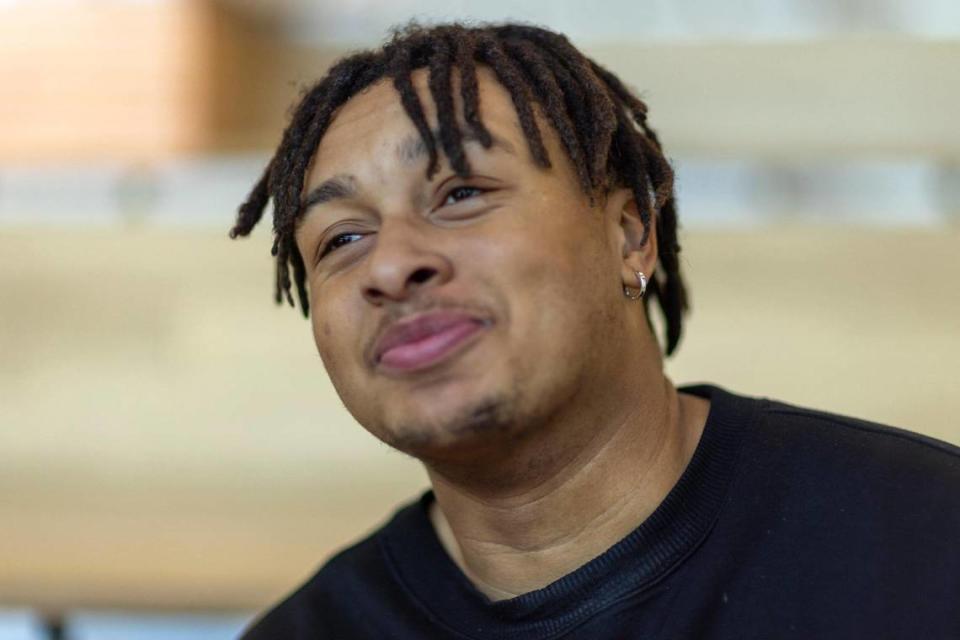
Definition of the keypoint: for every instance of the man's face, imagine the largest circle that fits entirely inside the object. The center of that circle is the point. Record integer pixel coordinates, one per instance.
(454, 312)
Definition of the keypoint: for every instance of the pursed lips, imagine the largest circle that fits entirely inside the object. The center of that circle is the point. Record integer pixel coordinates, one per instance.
(424, 339)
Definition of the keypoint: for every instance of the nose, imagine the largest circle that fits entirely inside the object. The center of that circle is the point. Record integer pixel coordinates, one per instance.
(401, 263)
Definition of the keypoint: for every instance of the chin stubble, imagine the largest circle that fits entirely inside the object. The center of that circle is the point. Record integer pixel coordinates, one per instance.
(488, 418)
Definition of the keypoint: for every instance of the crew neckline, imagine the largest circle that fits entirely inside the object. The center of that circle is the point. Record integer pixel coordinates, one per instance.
(634, 564)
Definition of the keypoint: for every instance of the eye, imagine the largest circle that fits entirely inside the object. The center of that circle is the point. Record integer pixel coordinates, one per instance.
(338, 241)
(457, 194)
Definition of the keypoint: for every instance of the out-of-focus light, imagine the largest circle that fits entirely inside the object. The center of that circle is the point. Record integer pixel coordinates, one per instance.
(122, 626)
(20, 624)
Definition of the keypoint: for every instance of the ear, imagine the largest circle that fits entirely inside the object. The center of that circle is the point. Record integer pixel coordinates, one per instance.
(636, 241)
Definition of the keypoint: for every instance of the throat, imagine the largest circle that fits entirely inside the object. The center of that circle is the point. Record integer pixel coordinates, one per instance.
(502, 571)
(517, 542)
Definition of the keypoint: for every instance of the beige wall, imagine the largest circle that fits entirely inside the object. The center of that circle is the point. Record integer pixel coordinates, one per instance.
(169, 438)
(142, 81)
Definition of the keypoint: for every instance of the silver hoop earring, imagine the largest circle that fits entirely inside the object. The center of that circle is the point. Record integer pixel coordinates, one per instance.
(642, 279)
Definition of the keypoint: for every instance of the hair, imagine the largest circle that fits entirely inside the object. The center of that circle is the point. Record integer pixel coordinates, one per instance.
(601, 125)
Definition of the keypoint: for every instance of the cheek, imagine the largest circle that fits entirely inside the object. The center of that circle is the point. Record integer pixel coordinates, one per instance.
(539, 280)
(332, 332)
(340, 323)
(322, 336)
(562, 287)
(551, 260)
(335, 337)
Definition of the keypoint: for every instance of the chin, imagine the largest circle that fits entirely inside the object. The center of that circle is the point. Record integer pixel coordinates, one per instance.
(441, 431)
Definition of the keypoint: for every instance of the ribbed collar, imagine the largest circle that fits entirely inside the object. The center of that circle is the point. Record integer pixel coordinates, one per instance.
(660, 544)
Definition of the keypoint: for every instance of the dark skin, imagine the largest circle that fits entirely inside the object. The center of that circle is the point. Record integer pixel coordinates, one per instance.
(549, 433)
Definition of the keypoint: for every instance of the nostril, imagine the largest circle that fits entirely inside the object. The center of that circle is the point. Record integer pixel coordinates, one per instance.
(372, 294)
(422, 275)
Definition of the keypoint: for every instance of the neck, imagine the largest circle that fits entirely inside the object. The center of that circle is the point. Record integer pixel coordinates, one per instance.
(569, 504)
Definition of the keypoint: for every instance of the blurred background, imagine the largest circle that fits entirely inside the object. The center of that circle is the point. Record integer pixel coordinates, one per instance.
(172, 456)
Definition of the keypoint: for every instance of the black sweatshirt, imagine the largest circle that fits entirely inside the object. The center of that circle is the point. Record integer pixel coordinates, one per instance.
(787, 523)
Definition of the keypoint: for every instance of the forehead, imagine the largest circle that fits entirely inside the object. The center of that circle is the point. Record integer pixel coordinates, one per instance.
(373, 123)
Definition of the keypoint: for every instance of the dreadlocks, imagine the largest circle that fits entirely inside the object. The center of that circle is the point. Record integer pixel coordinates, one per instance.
(601, 125)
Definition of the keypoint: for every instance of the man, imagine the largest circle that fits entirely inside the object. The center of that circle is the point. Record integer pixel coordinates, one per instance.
(477, 217)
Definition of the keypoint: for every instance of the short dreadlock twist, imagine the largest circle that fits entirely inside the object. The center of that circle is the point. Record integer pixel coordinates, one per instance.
(601, 125)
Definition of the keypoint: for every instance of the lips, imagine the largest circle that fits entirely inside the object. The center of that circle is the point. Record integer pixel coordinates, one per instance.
(426, 339)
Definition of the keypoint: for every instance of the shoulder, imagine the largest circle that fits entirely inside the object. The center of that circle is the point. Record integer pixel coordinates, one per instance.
(346, 597)
(827, 509)
(306, 612)
(785, 438)
(826, 434)
(834, 462)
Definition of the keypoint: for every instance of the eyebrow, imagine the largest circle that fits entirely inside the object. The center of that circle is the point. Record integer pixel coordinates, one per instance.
(408, 151)
(337, 187)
